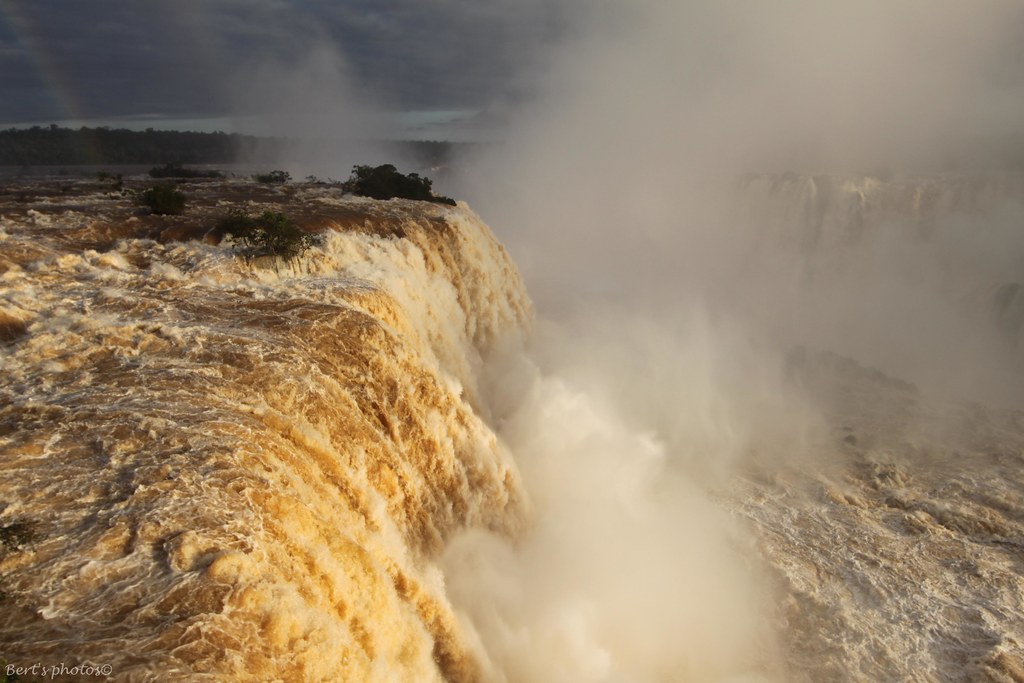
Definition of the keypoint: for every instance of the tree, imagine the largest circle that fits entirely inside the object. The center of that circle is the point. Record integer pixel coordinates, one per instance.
(273, 177)
(163, 200)
(269, 234)
(385, 182)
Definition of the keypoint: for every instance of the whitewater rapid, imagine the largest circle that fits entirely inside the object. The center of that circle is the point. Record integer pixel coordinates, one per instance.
(236, 473)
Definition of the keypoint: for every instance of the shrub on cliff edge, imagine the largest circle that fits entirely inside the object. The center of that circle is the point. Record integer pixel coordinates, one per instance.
(269, 234)
(385, 182)
(273, 178)
(163, 200)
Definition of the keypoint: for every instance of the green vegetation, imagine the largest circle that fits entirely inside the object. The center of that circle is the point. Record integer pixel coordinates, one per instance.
(163, 200)
(116, 179)
(9, 672)
(8, 677)
(273, 177)
(385, 182)
(175, 170)
(269, 234)
(13, 536)
(55, 146)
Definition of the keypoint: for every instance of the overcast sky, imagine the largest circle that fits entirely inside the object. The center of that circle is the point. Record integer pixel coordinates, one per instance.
(806, 75)
(73, 60)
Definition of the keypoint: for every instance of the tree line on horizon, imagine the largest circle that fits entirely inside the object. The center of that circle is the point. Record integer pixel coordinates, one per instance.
(56, 146)
(53, 146)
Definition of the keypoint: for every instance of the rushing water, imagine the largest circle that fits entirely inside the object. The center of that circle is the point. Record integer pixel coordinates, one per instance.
(372, 465)
(235, 473)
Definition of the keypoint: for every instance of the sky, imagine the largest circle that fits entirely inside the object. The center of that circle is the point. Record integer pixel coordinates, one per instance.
(199, 62)
(460, 69)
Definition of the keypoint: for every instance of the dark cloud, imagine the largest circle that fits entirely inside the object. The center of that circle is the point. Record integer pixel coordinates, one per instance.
(445, 54)
(106, 58)
(101, 59)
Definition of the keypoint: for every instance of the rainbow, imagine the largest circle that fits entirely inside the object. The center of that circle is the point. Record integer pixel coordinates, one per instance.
(50, 72)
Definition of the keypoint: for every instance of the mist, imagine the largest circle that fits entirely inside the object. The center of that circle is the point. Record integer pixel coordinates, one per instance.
(312, 105)
(623, 183)
(695, 192)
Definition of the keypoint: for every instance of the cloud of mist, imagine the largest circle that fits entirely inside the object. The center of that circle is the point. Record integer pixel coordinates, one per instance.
(671, 283)
(342, 82)
(627, 571)
(311, 100)
(623, 427)
(621, 184)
